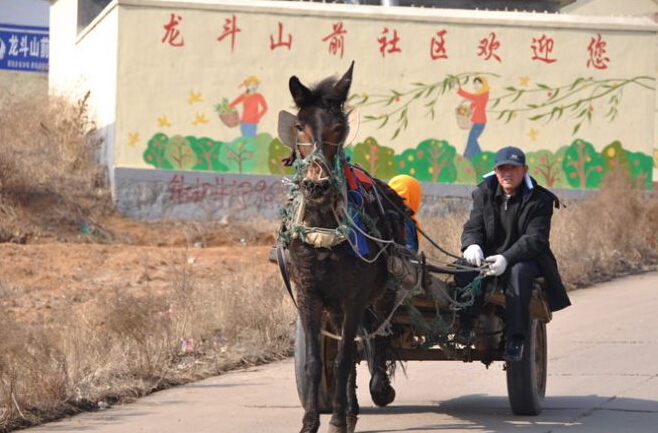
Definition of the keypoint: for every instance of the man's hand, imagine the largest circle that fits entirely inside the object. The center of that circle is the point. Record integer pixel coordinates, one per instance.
(474, 255)
(497, 265)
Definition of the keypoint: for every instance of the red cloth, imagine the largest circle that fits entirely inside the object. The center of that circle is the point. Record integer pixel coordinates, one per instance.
(252, 103)
(352, 174)
(478, 105)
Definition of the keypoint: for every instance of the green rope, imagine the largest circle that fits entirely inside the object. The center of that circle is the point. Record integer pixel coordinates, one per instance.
(437, 330)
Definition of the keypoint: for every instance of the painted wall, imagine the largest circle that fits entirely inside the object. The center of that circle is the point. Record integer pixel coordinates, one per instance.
(576, 93)
(635, 8)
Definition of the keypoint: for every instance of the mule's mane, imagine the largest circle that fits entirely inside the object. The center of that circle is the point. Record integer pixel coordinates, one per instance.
(325, 93)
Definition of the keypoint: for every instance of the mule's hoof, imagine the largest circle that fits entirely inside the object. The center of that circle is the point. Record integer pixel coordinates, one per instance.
(381, 391)
(351, 423)
(336, 429)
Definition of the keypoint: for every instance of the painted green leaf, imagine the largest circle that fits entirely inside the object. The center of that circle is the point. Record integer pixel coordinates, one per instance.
(276, 152)
(179, 153)
(378, 160)
(155, 152)
(582, 165)
(207, 154)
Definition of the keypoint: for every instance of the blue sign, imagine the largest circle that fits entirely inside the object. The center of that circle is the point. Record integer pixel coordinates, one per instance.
(24, 48)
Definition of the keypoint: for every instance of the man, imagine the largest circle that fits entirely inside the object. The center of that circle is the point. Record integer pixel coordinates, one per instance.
(508, 229)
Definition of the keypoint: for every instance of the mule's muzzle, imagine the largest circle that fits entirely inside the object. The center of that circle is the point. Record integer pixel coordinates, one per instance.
(315, 188)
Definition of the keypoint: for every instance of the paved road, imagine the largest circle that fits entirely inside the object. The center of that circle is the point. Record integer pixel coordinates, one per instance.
(603, 378)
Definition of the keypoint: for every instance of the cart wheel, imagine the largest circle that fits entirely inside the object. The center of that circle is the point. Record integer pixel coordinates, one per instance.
(328, 349)
(526, 379)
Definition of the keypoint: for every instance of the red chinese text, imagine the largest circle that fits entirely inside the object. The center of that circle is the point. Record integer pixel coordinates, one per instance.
(230, 29)
(392, 44)
(596, 49)
(542, 48)
(488, 47)
(173, 35)
(336, 39)
(438, 46)
(280, 42)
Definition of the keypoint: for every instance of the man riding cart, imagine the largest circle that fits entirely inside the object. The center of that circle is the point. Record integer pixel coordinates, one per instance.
(506, 282)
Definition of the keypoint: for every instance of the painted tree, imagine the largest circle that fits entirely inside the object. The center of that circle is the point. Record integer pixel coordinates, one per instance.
(615, 157)
(207, 153)
(483, 163)
(641, 167)
(465, 170)
(179, 153)
(582, 165)
(430, 161)
(261, 162)
(378, 160)
(546, 167)
(155, 152)
(276, 152)
(238, 155)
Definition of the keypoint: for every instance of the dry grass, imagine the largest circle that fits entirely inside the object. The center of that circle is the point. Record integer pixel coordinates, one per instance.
(125, 345)
(47, 149)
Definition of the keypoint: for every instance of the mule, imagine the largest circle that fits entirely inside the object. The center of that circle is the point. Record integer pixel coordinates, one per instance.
(336, 277)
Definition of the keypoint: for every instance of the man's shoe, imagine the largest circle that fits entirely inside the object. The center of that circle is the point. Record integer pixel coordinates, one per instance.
(514, 349)
(463, 336)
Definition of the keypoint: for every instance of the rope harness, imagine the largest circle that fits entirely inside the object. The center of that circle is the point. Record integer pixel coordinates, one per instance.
(346, 213)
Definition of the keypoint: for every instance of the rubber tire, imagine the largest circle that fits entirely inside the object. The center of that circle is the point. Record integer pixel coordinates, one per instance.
(328, 348)
(526, 379)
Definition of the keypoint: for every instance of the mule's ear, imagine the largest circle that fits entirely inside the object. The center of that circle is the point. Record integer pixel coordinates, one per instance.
(300, 93)
(343, 85)
(353, 122)
(286, 128)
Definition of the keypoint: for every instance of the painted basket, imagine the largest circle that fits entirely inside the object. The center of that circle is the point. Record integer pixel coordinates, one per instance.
(464, 113)
(231, 119)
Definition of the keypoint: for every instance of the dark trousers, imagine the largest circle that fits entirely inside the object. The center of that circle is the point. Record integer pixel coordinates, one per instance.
(517, 281)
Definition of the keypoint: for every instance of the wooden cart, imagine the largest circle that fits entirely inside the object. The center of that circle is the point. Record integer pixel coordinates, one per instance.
(526, 379)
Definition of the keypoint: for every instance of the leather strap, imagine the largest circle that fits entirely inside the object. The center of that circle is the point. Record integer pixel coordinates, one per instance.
(281, 261)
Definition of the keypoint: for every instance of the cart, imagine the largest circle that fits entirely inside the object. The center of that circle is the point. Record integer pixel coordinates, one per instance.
(526, 379)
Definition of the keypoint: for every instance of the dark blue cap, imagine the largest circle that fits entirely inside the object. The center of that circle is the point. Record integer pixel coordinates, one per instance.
(510, 155)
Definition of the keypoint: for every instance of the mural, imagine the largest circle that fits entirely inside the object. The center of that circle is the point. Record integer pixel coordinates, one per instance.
(577, 99)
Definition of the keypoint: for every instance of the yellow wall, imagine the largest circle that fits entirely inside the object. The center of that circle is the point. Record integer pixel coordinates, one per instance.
(172, 90)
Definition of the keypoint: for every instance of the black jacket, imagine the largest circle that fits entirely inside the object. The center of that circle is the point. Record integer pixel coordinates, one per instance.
(534, 226)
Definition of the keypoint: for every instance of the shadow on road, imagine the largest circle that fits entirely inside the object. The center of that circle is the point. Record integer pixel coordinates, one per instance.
(492, 413)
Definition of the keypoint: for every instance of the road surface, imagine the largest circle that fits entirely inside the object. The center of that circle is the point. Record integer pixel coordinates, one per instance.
(602, 378)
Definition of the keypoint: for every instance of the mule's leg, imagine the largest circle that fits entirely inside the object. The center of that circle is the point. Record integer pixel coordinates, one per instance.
(381, 391)
(352, 401)
(342, 367)
(310, 313)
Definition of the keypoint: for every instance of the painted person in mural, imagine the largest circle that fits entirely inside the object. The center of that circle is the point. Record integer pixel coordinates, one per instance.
(508, 229)
(254, 106)
(478, 108)
(410, 190)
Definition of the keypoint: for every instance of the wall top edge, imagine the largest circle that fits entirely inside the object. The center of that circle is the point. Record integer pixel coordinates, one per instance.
(457, 16)
(105, 12)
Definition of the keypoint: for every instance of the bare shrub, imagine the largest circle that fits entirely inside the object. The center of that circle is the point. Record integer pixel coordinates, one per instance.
(47, 160)
(125, 344)
(612, 232)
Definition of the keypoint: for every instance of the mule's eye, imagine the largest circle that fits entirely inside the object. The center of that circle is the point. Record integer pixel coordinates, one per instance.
(338, 128)
(299, 127)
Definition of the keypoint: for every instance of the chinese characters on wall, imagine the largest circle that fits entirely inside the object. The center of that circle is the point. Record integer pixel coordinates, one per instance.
(389, 41)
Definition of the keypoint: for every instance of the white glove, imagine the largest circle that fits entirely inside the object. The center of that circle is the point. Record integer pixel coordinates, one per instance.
(497, 265)
(474, 255)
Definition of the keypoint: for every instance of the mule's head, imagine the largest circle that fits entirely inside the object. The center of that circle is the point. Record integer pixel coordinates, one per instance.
(319, 129)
